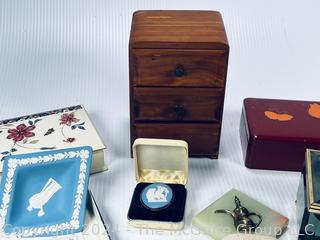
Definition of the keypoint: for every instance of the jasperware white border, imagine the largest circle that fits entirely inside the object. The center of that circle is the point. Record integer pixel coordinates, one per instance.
(73, 223)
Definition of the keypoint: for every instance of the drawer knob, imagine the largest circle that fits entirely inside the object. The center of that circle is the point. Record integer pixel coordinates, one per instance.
(179, 72)
(180, 111)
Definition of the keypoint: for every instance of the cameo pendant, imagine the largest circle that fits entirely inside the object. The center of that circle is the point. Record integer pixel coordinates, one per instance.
(157, 196)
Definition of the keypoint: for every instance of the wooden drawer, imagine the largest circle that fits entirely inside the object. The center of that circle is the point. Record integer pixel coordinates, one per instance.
(178, 104)
(173, 67)
(203, 139)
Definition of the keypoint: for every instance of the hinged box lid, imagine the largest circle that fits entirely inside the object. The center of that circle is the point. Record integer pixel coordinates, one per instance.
(161, 160)
(276, 133)
(54, 129)
(313, 180)
(282, 120)
(178, 29)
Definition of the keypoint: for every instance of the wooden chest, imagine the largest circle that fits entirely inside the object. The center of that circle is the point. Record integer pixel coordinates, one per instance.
(178, 66)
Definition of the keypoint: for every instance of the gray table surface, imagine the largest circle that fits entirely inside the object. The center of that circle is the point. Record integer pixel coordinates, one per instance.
(59, 53)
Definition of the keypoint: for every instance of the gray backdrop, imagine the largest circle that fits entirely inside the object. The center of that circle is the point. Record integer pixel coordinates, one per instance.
(59, 53)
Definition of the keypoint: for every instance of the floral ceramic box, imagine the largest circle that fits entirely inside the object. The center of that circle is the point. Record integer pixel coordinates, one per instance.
(61, 128)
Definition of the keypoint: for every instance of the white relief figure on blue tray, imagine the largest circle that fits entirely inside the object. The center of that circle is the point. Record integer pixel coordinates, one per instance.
(39, 200)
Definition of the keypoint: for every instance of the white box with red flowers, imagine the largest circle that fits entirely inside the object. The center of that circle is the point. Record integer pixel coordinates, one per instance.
(61, 128)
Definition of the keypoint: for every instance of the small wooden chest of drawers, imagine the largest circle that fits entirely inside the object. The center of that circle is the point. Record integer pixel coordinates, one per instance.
(178, 66)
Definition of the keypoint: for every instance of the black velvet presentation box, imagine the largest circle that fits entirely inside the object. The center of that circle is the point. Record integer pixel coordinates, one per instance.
(173, 213)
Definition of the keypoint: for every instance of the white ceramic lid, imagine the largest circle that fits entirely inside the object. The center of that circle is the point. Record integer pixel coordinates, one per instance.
(161, 160)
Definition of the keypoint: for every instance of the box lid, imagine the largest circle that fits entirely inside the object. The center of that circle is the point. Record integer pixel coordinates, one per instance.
(313, 180)
(283, 120)
(178, 29)
(161, 160)
(55, 129)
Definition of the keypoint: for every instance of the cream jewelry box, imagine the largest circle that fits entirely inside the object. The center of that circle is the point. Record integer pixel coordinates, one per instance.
(159, 198)
(62, 128)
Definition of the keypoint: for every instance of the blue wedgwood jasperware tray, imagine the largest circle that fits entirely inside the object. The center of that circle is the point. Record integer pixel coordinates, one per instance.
(44, 193)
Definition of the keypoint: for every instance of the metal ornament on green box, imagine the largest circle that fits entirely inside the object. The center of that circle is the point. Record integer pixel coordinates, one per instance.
(219, 226)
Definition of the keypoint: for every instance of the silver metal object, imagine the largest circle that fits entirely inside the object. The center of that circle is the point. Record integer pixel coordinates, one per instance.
(242, 217)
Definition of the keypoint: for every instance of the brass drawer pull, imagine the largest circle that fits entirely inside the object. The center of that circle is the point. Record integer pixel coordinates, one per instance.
(179, 71)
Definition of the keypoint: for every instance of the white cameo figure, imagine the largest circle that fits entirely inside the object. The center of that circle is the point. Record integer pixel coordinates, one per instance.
(158, 194)
(37, 201)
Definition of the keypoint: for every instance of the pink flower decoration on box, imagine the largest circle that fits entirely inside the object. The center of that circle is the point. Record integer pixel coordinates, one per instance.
(21, 132)
(68, 119)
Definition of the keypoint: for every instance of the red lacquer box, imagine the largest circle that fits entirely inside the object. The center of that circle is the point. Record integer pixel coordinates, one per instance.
(276, 133)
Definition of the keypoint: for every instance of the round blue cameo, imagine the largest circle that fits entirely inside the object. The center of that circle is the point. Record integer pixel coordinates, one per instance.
(157, 196)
